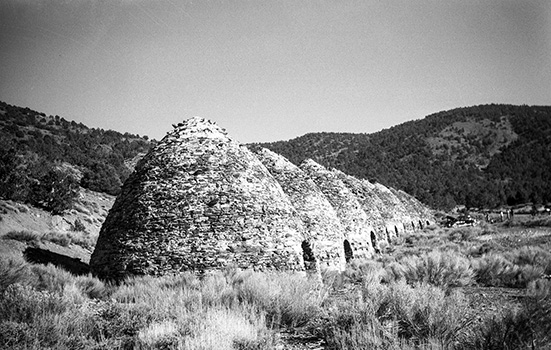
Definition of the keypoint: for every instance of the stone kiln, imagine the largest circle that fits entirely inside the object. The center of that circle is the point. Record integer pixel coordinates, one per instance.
(323, 230)
(200, 201)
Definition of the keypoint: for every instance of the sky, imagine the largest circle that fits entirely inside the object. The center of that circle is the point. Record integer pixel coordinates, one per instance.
(271, 70)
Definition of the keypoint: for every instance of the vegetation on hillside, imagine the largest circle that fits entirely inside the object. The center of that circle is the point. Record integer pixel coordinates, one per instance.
(482, 156)
(43, 158)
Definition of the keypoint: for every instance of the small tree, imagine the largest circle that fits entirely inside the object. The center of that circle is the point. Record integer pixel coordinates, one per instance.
(54, 190)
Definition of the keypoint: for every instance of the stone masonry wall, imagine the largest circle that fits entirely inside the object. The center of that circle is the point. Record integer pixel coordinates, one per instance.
(198, 201)
(323, 229)
(355, 221)
(369, 202)
(396, 211)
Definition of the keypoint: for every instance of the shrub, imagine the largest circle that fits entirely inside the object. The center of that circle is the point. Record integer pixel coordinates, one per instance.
(91, 287)
(13, 269)
(50, 278)
(228, 329)
(159, 335)
(23, 304)
(515, 269)
(437, 268)
(528, 327)
(394, 316)
(351, 324)
(14, 333)
(78, 226)
(492, 270)
(23, 236)
(424, 312)
(289, 299)
(59, 238)
(535, 256)
(364, 272)
(83, 239)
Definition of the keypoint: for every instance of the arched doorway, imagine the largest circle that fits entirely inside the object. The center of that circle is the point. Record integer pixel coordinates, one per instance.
(420, 224)
(413, 225)
(348, 253)
(374, 242)
(308, 256)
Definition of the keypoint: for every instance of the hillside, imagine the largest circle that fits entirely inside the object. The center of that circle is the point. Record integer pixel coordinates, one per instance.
(481, 156)
(44, 160)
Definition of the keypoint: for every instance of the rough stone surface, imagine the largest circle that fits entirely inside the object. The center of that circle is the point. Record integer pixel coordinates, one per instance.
(355, 221)
(195, 202)
(421, 215)
(369, 201)
(394, 211)
(200, 201)
(323, 229)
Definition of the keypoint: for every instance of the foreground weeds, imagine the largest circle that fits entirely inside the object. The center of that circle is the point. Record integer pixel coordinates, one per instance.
(400, 301)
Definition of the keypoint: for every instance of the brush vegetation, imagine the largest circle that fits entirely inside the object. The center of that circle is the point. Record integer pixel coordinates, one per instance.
(410, 298)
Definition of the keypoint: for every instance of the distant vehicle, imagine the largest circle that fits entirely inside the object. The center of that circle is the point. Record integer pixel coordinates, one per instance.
(465, 220)
(460, 221)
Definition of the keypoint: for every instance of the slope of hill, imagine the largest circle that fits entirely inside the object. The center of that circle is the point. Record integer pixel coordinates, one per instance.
(481, 156)
(44, 159)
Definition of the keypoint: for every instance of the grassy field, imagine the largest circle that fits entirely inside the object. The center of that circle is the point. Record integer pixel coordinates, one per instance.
(484, 287)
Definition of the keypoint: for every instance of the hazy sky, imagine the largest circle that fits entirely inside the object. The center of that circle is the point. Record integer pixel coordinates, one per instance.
(271, 70)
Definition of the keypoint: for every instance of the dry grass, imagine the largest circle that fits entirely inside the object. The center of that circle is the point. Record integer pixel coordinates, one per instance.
(80, 238)
(443, 269)
(404, 301)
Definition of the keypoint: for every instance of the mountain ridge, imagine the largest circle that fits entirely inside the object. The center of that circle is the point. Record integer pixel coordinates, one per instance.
(479, 156)
(470, 155)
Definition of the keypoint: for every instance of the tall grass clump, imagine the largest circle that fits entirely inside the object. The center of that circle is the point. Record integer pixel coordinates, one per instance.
(534, 256)
(424, 312)
(23, 236)
(395, 316)
(80, 238)
(363, 272)
(516, 268)
(525, 327)
(444, 269)
(13, 269)
(289, 299)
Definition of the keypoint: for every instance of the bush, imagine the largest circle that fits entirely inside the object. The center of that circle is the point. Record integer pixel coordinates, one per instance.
(13, 269)
(395, 316)
(528, 327)
(59, 238)
(364, 272)
(424, 312)
(514, 269)
(23, 304)
(445, 269)
(23, 236)
(535, 256)
(78, 226)
(51, 278)
(289, 299)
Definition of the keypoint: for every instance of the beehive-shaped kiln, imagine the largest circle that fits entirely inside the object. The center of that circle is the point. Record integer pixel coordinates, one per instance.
(195, 202)
(323, 230)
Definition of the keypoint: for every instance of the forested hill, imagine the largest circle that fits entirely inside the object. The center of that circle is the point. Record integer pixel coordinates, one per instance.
(482, 156)
(44, 158)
